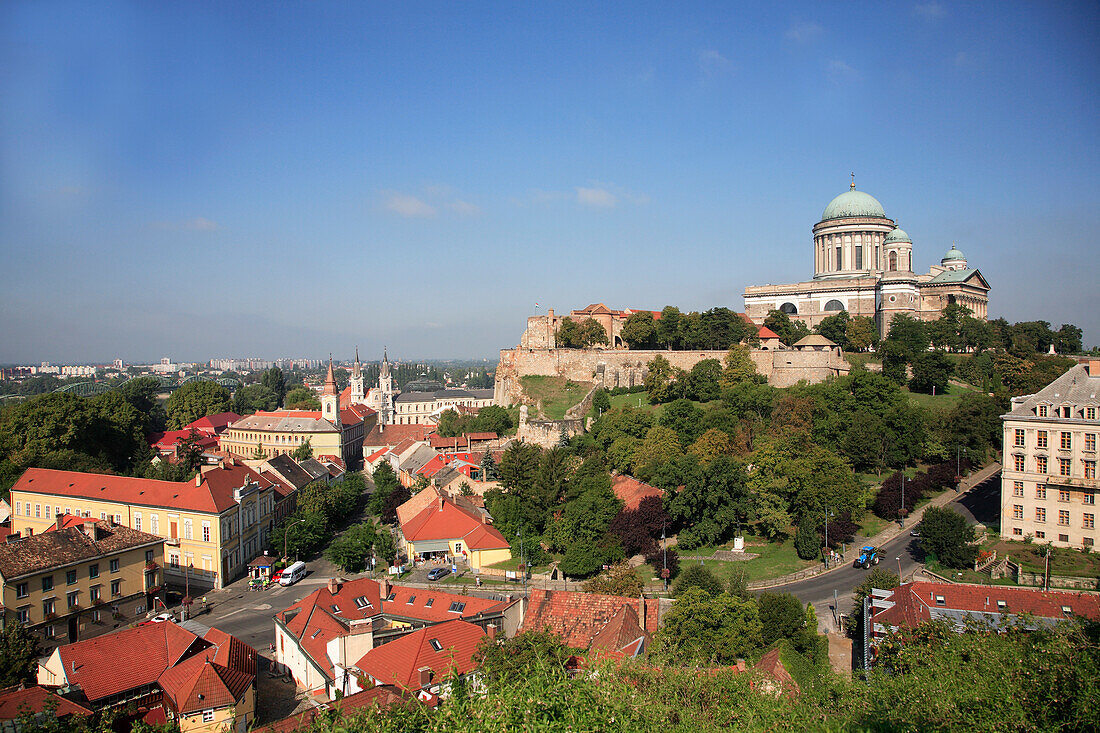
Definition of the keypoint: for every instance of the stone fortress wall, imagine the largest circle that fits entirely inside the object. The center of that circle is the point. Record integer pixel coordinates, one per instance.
(627, 368)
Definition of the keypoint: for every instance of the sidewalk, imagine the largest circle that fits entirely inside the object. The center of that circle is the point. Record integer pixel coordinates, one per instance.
(892, 531)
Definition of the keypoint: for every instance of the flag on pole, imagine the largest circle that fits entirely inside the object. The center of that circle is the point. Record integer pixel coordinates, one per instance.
(536, 305)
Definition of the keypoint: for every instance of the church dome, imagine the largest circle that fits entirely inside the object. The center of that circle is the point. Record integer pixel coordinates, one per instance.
(953, 254)
(898, 235)
(853, 203)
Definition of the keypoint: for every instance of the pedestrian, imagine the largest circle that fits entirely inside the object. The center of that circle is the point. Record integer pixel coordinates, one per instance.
(204, 603)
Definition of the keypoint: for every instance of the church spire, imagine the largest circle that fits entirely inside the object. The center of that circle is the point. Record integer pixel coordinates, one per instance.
(330, 379)
(356, 367)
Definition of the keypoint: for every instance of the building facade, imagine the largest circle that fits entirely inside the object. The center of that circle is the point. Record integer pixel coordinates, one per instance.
(863, 264)
(212, 526)
(424, 408)
(79, 581)
(1048, 484)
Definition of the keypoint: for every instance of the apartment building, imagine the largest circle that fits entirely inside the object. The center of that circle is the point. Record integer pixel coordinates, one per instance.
(76, 582)
(212, 526)
(1049, 485)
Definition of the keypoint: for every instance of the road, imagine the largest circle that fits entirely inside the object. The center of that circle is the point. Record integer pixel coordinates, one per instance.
(979, 504)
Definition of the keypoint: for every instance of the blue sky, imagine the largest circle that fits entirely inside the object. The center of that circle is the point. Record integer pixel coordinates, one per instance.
(216, 179)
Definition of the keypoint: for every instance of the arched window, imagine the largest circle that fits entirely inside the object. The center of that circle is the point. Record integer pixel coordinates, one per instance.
(834, 305)
(789, 309)
(893, 261)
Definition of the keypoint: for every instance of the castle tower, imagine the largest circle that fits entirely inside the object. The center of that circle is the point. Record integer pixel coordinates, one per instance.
(330, 397)
(385, 389)
(358, 391)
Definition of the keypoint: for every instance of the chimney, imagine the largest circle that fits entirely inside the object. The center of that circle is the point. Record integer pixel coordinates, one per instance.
(641, 612)
(1093, 367)
(384, 587)
(88, 527)
(333, 585)
(425, 676)
(59, 521)
(198, 479)
(441, 502)
(491, 630)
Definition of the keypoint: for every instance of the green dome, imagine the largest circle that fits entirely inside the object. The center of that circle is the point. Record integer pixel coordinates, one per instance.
(953, 254)
(898, 235)
(853, 203)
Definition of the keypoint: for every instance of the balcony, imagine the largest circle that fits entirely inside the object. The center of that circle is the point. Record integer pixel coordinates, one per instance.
(172, 541)
(1073, 482)
(151, 565)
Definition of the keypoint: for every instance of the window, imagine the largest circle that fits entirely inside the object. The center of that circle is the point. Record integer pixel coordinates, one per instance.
(1090, 441)
(94, 593)
(206, 531)
(137, 521)
(48, 514)
(1089, 521)
(1041, 439)
(1040, 492)
(1017, 488)
(1088, 498)
(429, 603)
(154, 524)
(114, 565)
(1063, 495)
(1019, 438)
(18, 507)
(116, 587)
(70, 577)
(1090, 413)
(1042, 410)
(23, 615)
(1064, 467)
(208, 715)
(47, 584)
(174, 560)
(1040, 514)
(1017, 531)
(50, 632)
(139, 609)
(187, 529)
(1040, 535)
(436, 644)
(37, 511)
(1041, 464)
(93, 570)
(362, 602)
(21, 590)
(1063, 538)
(1090, 469)
(73, 599)
(148, 556)
(391, 596)
(457, 607)
(1063, 517)
(1018, 463)
(1067, 441)
(103, 515)
(940, 601)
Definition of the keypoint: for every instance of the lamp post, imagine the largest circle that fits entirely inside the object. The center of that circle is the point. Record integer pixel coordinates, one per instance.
(522, 564)
(898, 558)
(664, 558)
(827, 515)
(901, 509)
(286, 533)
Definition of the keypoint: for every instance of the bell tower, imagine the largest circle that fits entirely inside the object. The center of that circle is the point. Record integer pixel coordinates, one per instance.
(330, 398)
(385, 389)
(358, 392)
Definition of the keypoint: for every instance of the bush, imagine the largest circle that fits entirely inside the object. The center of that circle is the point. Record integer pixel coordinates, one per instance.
(807, 542)
(697, 576)
(946, 535)
(583, 560)
(659, 560)
(782, 616)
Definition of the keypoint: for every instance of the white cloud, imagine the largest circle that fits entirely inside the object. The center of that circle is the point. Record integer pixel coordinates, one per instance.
(599, 198)
(198, 224)
(714, 63)
(840, 71)
(409, 206)
(930, 11)
(803, 32)
(463, 208)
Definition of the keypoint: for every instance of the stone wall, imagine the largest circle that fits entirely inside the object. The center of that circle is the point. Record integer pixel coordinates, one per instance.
(627, 368)
(547, 433)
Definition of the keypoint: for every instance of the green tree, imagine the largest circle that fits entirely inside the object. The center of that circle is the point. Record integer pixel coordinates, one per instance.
(531, 652)
(661, 445)
(275, 380)
(351, 551)
(807, 542)
(592, 333)
(711, 445)
(19, 652)
(303, 452)
(194, 400)
(583, 558)
(702, 380)
(697, 577)
(781, 616)
(658, 378)
(519, 465)
(1068, 339)
(835, 328)
(601, 401)
(668, 327)
(931, 371)
(568, 335)
(739, 367)
(862, 333)
(718, 629)
(640, 330)
(253, 398)
(910, 333)
(488, 467)
(492, 419)
(385, 546)
(302, 398)
(946, 535)
(788, 330)
(895, 359)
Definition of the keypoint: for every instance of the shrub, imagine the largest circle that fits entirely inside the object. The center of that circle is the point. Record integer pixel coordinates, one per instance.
(807, 542)
(697, 576)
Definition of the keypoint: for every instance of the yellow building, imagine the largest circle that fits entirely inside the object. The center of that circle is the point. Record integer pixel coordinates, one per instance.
(213, 526)
(79, 581)
(434, 524)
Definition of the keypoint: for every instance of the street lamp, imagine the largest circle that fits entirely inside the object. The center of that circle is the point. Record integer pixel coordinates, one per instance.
(286, 532)
(898, 558)
(664, 558)
(827, 515)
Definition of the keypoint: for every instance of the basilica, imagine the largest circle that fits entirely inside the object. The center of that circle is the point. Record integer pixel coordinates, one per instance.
(863, 264)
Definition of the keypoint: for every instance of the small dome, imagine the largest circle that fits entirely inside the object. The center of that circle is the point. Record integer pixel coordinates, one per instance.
(898, 235)
(853, 203)
(953, 254)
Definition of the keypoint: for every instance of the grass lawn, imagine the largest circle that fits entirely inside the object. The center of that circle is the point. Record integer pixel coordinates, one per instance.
(863, 359)
(1063, 560)
(775, 559)
(944, 401)
(554, 394)
(630, 399)
(872, 525)
(966, 575)
(513, 564)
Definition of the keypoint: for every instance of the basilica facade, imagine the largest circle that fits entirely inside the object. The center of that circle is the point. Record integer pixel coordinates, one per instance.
(863, 264)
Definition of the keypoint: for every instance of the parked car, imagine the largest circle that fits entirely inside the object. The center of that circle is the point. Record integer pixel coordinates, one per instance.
(437, 573)
(158, 619)
(914, 533)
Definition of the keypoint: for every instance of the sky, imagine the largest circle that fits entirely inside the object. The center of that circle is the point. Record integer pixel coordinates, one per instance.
(214, 179)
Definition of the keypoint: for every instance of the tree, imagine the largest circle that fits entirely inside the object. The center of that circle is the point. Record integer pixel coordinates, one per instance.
(275, 381)
(807, 542)
(835, 328)
(658, 378)
(701, 382)
(488, 467)
(618, 580)
(640, 331)
(931, 370)
(1068, 339)
(194, 400)
(877, 577)
(568, 335)
(668, 327)
(661, 445)
(789, 331)
(895, 359)
(909, 332)
(302, 398)
(353, 548)
(532, 651)
(19, 652)
(781, 616)
(739, 367)
(303, 452)
(519, 465)
(702, 628)
(945, 535)
(601, 401)
(492, 419)
(710, 445)
(697, 577)
(583, 559)
(862, 333)
(253, 398)
(385, 546)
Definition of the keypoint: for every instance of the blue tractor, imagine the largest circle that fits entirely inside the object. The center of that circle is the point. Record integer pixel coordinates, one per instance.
(868, 556)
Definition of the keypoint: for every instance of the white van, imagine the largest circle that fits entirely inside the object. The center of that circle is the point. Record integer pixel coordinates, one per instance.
(292, 574)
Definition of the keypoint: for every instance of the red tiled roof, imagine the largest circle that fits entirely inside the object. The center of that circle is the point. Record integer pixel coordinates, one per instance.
(322, 616)
(439, 610)
(168, 441)
(377, 454)
(438, 441)
(631, 491)
(622, 631)
(18, 701)
(214, 678)
(446, 521)
(382, 697)
(67, 520)
(766, 333)
(393, 434)
(915, 602)
(579, 618)
(771, 665)
(398, 662)
(214, 495)
(215, 423)
(125, 660)
(481, 436)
